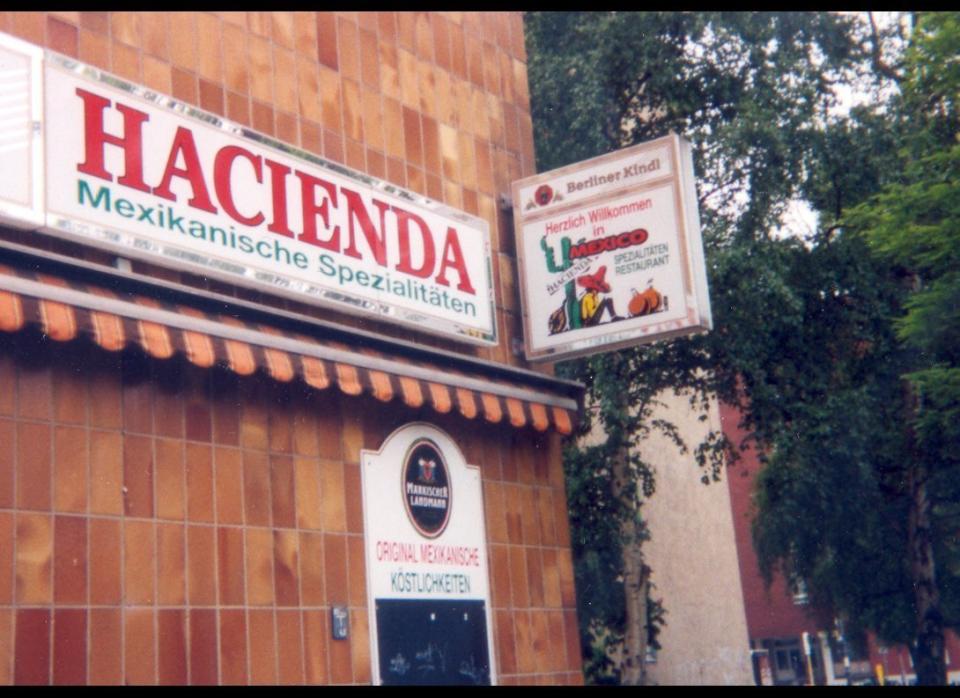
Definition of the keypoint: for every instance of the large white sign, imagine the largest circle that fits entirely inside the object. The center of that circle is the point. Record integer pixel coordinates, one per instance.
(138, 173)
(424, 532)
(610, 252)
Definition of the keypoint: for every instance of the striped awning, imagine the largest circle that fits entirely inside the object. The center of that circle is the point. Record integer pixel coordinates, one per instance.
(66, 309)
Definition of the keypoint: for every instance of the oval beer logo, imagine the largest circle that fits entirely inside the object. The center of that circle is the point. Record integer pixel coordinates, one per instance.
(426, 488)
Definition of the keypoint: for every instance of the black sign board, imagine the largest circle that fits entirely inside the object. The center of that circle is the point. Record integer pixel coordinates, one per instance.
(429, 642)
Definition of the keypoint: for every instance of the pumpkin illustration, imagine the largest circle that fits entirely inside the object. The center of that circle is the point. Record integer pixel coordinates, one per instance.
(649, 301)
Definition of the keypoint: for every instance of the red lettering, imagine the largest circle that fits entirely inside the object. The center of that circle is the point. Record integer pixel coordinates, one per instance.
(278, 189)
(308, 186)
(453, 257)
(192, 172)
(95, 139)
(356, 211)
(222, 170)
(404, 218)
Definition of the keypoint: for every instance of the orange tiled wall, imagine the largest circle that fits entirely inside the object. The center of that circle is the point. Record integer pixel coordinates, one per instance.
(201, 534)
(162, 523)
(434, 102)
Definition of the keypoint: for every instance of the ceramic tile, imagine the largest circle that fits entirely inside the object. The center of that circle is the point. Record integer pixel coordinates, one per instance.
(171, 647)
(34, 559)
(157, 75)
(330, 99)
(28, 26)
(32, 647)
(307, 489)
(263, 118)
(332, 496)
(259, 566)
(352, 110)
(106, 472)
(169, 479)
(209, 64)
(106, 665)
(263, 647)
(203, 647)
(70, 647)
(105, 561)
(286, 567)
(125, 27)
(327, 39)
(305, 34)
(95, 21)
(233, 647)
(526, 656)
(412, 136)
(518, 577)
(138, 476)
(154, 34)
(341, 661)
(315, 639)
(535, 580)
(506, 647)
(230, 557)
(256, 488)
(70, 560)
(312, 569)
(138, 562)
(106, 411)
(125, 61)
(348, 40)
(289, 648)
(228, 485)
(369, 59)
(389, 70)
(139, 639)
(69, 394)
(360, 645)
(308, 90)
(354, 498)
(572, 638)
(210, 563)
(171, 569)
(499, 562)
(199, 464)
(7, 533)
(335, 569)
(556, 644)
(33, 466)
(409, 84)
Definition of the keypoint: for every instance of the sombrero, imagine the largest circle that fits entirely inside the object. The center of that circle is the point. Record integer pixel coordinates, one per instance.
(595, 282)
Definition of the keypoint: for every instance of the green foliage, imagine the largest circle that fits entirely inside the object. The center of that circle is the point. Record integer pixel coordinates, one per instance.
(813, 337)
(748, 90)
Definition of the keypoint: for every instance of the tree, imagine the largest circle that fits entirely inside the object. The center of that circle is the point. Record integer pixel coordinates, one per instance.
(748, 90)
(885, 553)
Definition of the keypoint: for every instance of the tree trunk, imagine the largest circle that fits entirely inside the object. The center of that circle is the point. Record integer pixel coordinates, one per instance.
(929, 658)
(636, 573)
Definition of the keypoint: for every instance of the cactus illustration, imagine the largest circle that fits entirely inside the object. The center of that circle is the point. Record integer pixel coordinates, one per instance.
(570, 303)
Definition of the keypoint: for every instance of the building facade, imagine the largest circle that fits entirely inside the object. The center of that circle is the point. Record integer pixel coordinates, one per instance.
(189, 460)
(793, 643)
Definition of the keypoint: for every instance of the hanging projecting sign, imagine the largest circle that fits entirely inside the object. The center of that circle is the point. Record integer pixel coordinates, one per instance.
(610, 253)
(142, 175)
(427, 580)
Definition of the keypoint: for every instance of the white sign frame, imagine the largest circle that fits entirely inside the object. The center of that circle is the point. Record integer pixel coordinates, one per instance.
(21, 133)
(385, 510)
(565, 213)
(371, 280)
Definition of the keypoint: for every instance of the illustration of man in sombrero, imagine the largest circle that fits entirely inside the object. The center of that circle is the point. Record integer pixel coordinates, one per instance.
(591, 306)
